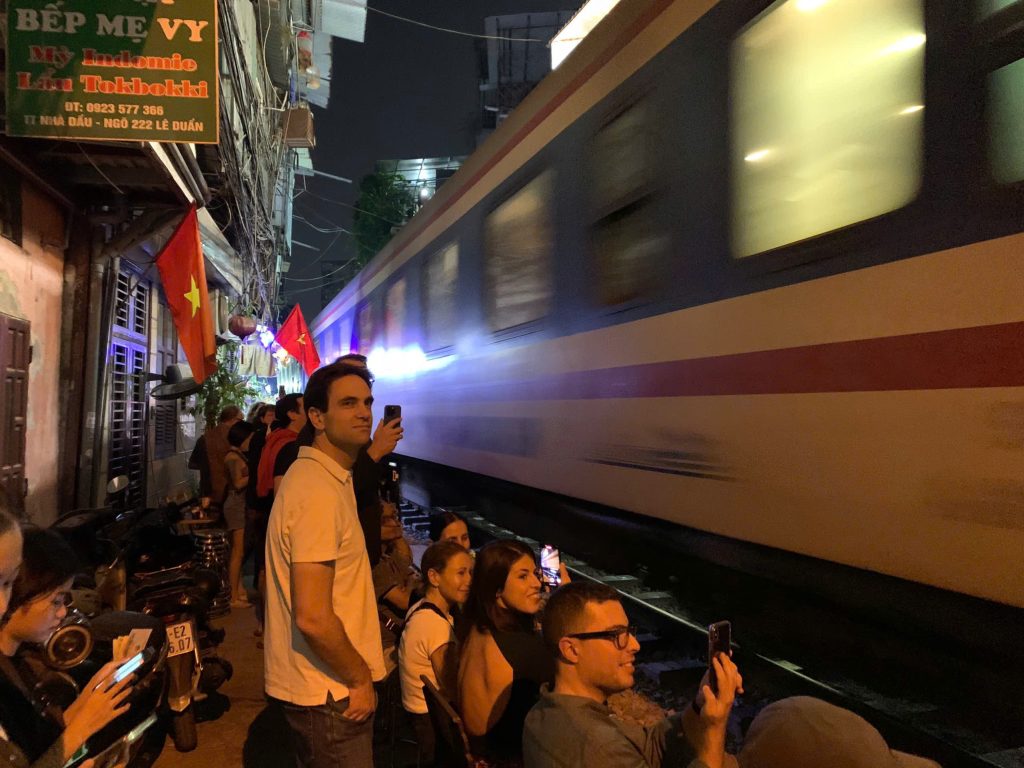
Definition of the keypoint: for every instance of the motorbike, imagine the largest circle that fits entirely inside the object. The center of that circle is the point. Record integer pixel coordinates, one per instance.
(144, 577)
(165, 582)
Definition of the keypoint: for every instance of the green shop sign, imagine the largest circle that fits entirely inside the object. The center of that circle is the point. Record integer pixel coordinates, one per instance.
(137, 70)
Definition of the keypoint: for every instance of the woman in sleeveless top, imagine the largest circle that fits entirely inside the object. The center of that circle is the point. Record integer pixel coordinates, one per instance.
(504, 661)
(428, 645)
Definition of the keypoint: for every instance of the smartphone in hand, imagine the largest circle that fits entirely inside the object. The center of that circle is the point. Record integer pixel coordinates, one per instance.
(130, 665)
(719, 641)
(550, 564)
(391, 413)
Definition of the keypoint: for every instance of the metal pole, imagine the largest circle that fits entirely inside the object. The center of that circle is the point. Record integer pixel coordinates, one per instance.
(332, 176)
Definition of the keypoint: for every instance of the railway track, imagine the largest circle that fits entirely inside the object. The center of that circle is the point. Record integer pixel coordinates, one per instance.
(673, 639)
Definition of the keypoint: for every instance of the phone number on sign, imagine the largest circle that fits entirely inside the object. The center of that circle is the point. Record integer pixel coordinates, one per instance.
(152, 110)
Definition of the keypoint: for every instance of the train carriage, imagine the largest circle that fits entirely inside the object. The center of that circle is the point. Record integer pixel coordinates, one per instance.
(756, 268)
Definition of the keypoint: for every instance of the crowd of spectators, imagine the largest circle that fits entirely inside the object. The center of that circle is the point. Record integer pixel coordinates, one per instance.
(346, 615)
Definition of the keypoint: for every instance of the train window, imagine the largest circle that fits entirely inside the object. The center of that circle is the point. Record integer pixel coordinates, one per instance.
(345, 341)
(366, 329)
(518, 240)
(828, 100)
(1006, 109)
(989, 7)
(625, 239)
(440, 279)
(394, 314)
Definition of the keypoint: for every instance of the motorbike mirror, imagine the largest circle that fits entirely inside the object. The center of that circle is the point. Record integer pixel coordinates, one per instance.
(117, 484)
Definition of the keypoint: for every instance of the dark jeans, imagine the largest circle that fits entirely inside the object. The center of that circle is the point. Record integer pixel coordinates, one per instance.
(424, 738)
(324, 739)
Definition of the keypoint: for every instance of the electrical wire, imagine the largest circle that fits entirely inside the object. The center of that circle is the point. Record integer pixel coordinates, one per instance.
(321, 277)
(98, 170)
(323, 252)
(305, 191)
(308, 288)
(443, 29)
(311, 225)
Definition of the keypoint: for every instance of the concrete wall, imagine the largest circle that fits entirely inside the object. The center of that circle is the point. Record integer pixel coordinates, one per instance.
(31, 288)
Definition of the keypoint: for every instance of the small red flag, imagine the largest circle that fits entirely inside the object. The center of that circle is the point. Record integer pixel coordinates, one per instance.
(294, 337)
(183, 274)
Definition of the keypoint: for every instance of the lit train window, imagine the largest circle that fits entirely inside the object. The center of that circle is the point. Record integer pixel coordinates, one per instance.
(828, 100)
(394, 314)
(518, 239)
(626, 243)
(440, 279)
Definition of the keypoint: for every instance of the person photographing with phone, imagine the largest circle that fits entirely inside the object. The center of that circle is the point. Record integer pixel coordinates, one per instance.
(323, 649)
(369, 467)
(586, 628)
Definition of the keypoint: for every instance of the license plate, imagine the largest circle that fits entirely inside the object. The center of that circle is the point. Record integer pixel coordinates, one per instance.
(180, 638)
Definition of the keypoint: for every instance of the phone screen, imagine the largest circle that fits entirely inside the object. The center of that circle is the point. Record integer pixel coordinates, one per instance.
(719, 641)
(129, 666)
(549, 566)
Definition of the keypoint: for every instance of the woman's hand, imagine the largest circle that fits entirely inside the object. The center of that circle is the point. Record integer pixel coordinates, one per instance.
(563, 574)
(101, 702)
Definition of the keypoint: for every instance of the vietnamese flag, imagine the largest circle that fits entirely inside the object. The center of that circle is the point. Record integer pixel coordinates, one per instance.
(183, 274)
(295, 339)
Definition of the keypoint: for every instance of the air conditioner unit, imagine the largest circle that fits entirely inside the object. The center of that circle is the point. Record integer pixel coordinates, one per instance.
(298, 128)
(340, 18)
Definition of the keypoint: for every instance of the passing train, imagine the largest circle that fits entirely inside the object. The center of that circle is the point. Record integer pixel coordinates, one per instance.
(754, 267)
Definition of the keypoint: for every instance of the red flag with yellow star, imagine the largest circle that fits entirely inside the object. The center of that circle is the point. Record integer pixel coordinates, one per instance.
(183, 274)
(294, 337)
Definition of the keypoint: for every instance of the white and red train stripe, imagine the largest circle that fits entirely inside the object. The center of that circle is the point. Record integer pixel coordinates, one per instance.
(886, 435)
(873, 418)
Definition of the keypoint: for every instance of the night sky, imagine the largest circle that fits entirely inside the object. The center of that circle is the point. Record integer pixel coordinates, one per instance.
(405, 92)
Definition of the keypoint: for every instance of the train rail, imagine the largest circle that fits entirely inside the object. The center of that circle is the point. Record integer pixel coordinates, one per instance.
(673, 640)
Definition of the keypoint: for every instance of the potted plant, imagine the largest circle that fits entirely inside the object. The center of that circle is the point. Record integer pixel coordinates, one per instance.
(223, 387)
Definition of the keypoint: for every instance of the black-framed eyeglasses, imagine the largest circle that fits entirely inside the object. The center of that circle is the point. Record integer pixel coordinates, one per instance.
(620, 635)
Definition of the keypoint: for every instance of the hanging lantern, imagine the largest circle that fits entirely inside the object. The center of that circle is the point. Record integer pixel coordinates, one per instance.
(242, 325)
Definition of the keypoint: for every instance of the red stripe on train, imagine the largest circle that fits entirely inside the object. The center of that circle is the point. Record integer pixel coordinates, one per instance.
(963, 358)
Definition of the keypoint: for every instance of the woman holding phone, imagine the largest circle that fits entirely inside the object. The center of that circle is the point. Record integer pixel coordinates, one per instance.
(35, 575)
(504, 661)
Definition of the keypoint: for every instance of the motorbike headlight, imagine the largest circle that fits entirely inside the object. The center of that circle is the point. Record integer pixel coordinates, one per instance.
(70, 644)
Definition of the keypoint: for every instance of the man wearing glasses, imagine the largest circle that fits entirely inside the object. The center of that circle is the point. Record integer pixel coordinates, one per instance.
(587, 629)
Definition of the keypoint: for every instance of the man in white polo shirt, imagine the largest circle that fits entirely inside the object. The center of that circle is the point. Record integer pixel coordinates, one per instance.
(322, 643)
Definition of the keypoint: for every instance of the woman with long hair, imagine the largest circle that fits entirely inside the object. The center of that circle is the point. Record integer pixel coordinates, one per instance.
(504, 661)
